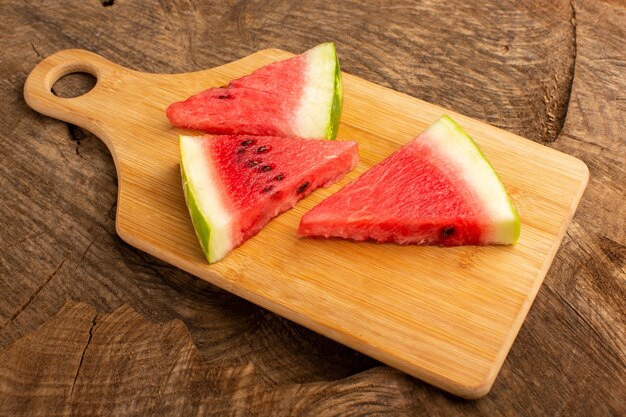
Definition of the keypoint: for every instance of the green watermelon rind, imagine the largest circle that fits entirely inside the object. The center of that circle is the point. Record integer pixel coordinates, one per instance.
(515, 225)
(337, 106)
(319, 112)
(200, 224)
(213, 247)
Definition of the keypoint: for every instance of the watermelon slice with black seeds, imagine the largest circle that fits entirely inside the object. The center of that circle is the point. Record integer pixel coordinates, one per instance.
(439, 189)
(234, 185)
(298, 97)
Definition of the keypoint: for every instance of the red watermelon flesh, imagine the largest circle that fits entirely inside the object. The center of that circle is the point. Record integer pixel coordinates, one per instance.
(299, 97)
(234, 185)
(437, 189)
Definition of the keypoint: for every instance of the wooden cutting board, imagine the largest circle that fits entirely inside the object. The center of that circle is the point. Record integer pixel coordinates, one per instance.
(446, 315)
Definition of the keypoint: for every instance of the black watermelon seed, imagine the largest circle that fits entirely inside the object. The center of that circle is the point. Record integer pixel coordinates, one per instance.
(266, 168)
(223, 96)
(240, 150)
(253, 162)
(279, 177)
(248, 142)
(447, 231)
(302, 187)
(267, 189)
(263, 149)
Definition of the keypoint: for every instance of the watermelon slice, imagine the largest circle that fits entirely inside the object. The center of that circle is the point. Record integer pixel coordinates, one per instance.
(234, 185)
(300, 97)
(437, 189)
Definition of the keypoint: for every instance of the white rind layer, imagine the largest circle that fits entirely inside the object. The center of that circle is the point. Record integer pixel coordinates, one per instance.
(314, 112)
(201, 177)
(464, 154)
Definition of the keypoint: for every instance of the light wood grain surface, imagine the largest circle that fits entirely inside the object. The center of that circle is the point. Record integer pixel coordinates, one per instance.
(552, 73)
(446, 315)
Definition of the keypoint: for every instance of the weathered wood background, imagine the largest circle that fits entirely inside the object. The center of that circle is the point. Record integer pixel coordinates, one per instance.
(554, 72)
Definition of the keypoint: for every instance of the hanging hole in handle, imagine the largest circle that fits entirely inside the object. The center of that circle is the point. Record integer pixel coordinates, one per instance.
(74, 84)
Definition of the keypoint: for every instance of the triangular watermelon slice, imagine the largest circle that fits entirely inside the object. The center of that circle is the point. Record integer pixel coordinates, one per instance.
(300, 97)
(234, 185)
(437, 189)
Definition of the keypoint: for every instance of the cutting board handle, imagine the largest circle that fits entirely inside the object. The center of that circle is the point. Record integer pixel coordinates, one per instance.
(84, 110)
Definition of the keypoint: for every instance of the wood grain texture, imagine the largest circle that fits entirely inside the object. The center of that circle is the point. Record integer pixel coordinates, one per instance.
(446, 315)
(154, 368)
(58, 181)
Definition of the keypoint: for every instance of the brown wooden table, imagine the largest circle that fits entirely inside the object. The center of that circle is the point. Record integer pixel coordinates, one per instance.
(92, 326)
